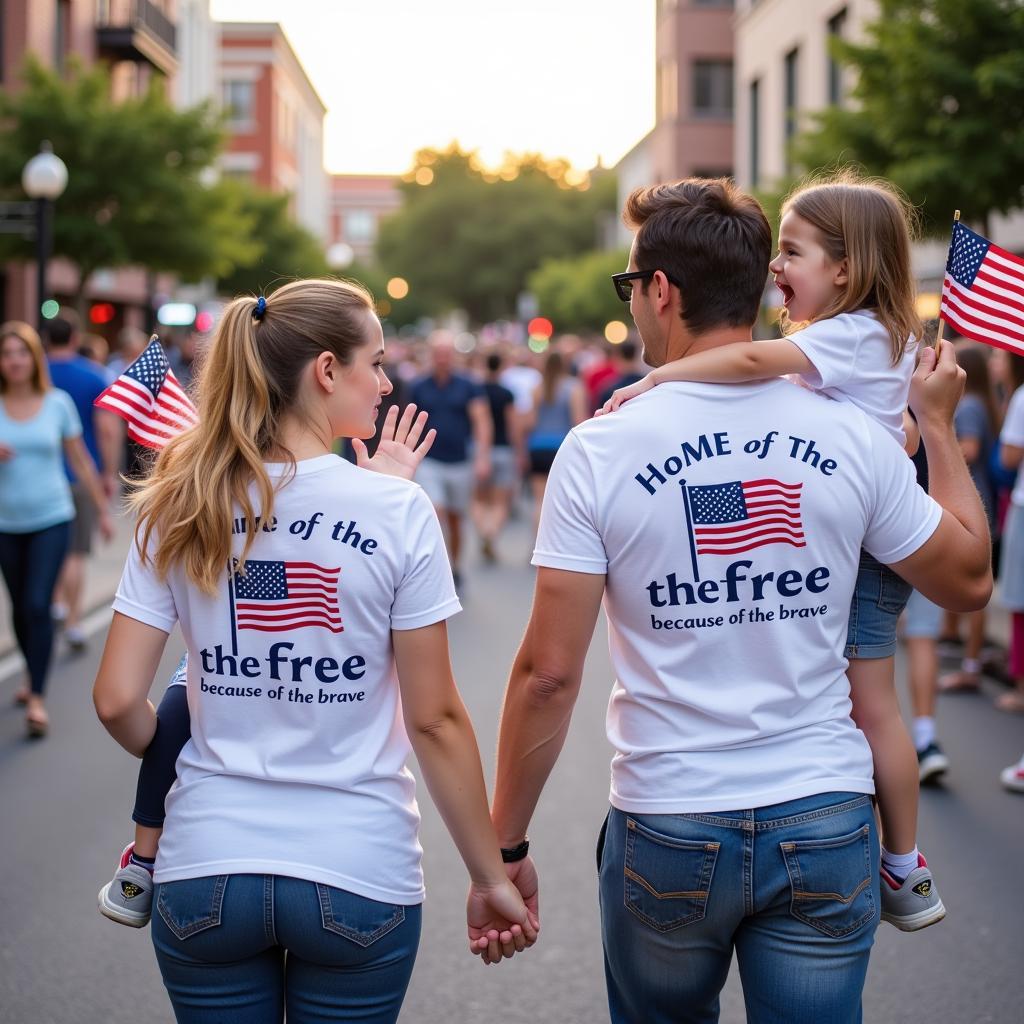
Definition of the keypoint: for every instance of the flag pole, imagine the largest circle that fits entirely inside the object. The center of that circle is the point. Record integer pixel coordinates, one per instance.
(942, 323)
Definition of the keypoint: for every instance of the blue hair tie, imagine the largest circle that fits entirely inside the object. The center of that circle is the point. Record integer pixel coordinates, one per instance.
(259, 309)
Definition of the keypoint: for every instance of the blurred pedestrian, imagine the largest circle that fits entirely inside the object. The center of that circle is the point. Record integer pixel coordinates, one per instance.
(457, 409)
(977, 427)
(39, 426)
(1011, 560)
(291, 881)
(559, 404)
(494, 494)
(628, 370)
(103, 435)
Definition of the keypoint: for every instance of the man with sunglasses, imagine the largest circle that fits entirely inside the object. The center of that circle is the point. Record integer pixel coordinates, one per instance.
(741, 816)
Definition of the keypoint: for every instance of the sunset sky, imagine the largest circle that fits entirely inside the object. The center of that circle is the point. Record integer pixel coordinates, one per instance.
(566, 78)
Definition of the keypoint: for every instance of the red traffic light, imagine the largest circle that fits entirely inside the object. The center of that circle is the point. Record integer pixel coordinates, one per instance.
(101, 313)
(540, 327)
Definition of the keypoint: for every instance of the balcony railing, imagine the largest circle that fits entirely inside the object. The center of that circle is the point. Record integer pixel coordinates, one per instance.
(144, 34)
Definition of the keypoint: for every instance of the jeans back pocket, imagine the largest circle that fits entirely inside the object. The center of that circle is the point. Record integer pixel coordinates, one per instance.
(667, 880)
(830, 882)
(191, 905)
(357, 917)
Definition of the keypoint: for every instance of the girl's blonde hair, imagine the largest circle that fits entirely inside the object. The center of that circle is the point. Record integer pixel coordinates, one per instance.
(28, 335)
(248, 382)
(870, 224)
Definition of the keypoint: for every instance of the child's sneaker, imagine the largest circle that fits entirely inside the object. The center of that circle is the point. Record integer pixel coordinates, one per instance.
(1012, 778)
(128, 897)
(913, 903)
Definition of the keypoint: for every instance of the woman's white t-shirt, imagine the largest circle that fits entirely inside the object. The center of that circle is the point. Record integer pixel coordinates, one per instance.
(1013, 434)
(297, 761)
(852, 358)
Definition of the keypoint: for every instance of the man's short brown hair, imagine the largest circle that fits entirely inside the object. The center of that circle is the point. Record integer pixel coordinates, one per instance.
(711, 238)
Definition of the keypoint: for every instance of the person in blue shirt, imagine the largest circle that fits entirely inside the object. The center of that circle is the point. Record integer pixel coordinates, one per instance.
(101, 431)
(39, 425)
(459, 412)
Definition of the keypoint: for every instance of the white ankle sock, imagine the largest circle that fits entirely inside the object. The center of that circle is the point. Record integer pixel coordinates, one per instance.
(899, 865)
(923, 729)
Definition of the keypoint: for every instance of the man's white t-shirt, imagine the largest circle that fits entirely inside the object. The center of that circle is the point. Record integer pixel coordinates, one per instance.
(296, 765)
(852, 357)
(1013, 435)
(729, 520)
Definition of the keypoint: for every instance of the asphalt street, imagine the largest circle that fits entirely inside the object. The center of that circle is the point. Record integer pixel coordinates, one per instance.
(65, 807)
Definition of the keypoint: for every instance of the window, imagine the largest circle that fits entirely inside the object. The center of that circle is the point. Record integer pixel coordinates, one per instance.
(836, 26)
(755, 132)
(712, 88)
(238, 101)
(360, 226)
(668, 90)
(62, 36)
(790, 107)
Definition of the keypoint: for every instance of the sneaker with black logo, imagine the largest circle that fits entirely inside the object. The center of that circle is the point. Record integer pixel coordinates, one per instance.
(128, 897)
(914, 903)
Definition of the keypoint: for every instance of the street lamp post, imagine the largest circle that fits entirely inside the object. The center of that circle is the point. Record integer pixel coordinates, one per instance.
(44, 179)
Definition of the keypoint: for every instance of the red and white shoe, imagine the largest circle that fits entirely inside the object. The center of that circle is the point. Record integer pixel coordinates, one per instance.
(1012, 778)
(913, 903)
(128, 897)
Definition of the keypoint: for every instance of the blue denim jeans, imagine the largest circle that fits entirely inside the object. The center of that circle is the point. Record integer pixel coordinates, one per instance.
(878, 598)
(247, 949)
(793, 888)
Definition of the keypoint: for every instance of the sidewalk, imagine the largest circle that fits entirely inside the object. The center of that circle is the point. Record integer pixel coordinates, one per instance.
(102, 576)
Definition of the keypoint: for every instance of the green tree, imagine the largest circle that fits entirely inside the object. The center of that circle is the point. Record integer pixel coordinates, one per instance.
(576, 292)
(470, 239)
(937, 107)
(136, 191)
(277, 251)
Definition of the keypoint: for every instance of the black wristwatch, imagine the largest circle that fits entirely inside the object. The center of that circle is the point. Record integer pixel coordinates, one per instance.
(516, 853)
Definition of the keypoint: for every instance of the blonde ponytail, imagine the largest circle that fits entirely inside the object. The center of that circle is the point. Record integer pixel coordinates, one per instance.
(249, 380)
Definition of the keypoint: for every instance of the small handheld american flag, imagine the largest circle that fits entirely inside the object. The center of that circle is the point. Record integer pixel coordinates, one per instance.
(983, 291)
(149, 398)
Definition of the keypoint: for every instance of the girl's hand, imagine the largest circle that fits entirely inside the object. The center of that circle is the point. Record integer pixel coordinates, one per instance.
(400, 450)
(498, 922)
(620, 395)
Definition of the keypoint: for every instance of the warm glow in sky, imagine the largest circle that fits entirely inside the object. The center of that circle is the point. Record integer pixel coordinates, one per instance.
(566, 78)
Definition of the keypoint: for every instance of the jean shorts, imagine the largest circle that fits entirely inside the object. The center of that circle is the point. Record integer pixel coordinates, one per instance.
(878, 599)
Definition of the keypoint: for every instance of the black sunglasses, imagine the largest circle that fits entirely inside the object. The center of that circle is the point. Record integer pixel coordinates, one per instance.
(624, 282)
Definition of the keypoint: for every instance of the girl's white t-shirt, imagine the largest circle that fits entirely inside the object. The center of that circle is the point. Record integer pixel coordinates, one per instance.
(852, 358)
(297, 761)
(1013, 434)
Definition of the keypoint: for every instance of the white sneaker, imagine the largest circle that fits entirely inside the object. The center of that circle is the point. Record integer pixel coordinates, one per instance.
(1012, 778)
(77, 640)
(58, 612)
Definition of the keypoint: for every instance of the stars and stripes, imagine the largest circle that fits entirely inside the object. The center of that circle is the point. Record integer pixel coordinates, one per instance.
(277, 596)
(983, 291)
(730, 518)
(149, 398)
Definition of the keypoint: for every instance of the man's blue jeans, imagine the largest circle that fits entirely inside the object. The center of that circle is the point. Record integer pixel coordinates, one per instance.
(792, 887)
(243, 949)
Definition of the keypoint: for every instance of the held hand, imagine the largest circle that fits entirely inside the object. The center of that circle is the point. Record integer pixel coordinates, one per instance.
(6, 452)
(482, 467)
(400, 451)
(620, 395)
(109, 482)
(936, 387)
(523, 875)
(498, 921)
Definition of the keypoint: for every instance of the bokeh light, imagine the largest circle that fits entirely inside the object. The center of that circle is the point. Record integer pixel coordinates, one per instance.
(398, 287)
(424, 175)
(538, 345)
(540, 327)
(465, 342)
(50, 308)
(616, 332)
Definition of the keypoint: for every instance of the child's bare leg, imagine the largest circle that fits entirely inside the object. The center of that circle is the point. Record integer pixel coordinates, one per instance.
(877, 714)
(147, 840)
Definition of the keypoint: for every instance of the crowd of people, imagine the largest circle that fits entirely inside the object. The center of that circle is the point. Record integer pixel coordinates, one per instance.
(752, 602)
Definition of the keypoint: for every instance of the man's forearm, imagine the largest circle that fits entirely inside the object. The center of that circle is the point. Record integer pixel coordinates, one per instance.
(534, 723)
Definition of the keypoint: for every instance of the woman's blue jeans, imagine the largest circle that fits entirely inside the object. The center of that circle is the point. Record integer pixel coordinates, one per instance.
(793, 888)
(246, 949)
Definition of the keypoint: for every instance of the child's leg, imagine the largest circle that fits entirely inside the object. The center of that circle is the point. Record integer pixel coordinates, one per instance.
(157, 774)
(877, 714)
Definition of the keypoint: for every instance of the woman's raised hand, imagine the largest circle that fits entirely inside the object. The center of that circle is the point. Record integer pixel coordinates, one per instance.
(400, 450)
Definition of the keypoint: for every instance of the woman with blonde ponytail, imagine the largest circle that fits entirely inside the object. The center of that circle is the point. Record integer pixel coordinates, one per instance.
(312, 595)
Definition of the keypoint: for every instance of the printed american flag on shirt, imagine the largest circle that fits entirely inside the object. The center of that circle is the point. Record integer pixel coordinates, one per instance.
(734, 517)
(276, 596)
(148, 396)
(983, 291)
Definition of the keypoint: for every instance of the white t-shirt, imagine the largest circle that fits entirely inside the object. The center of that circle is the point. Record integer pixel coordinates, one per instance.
(727, 600)
(1013, 435)
(522, 381)
(852, 357)
(296, 765)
